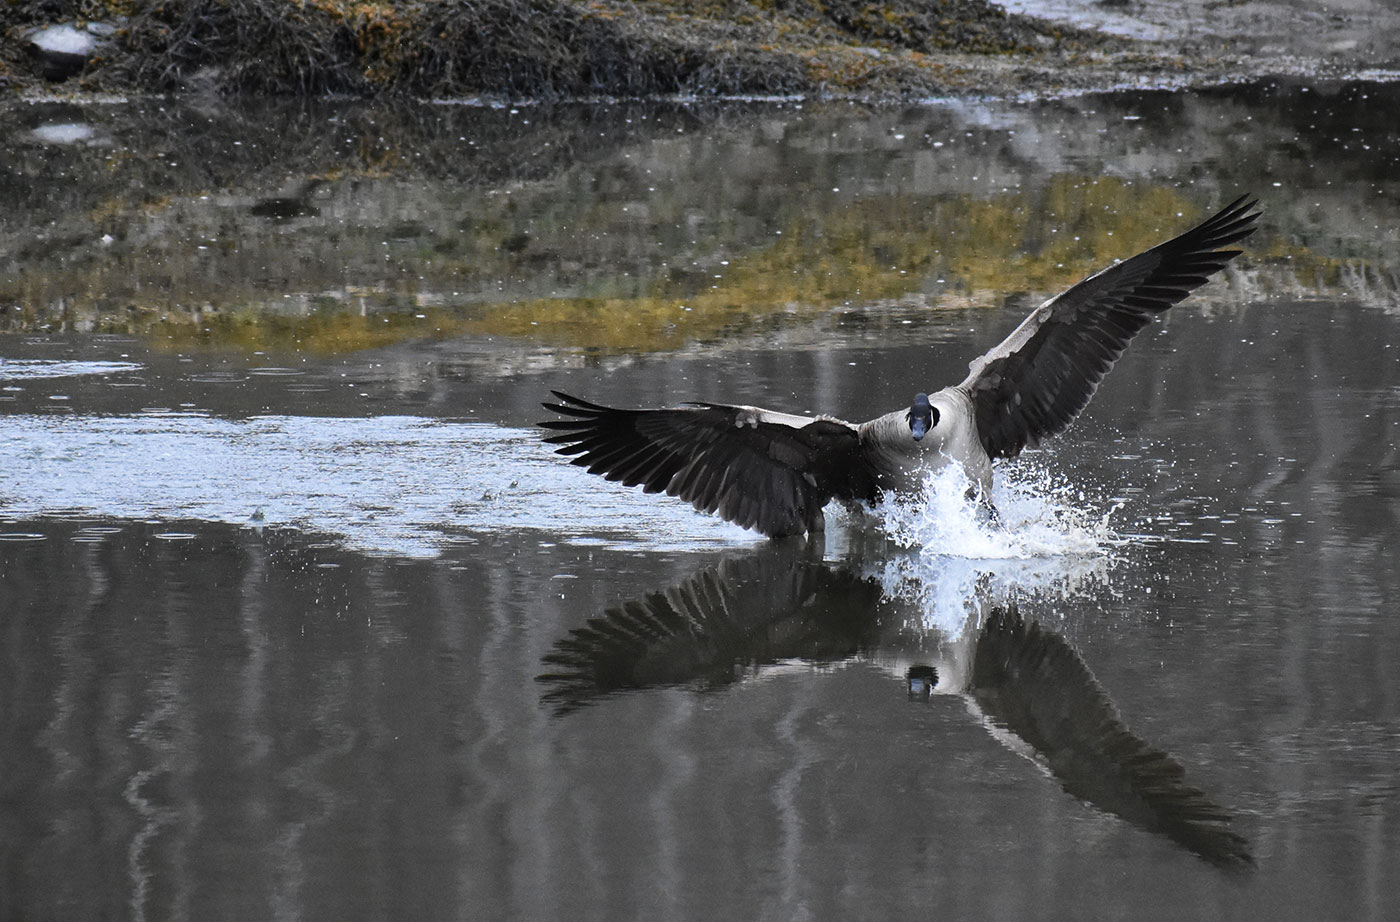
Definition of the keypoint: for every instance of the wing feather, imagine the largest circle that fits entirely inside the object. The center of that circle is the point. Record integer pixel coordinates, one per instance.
(1036, 381)
(762, 470)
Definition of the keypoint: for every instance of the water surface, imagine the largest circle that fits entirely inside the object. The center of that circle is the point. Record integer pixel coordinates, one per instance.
(299, 619)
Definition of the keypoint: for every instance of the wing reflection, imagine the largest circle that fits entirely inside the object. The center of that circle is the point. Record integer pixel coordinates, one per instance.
(784, 602)
(1032, 683)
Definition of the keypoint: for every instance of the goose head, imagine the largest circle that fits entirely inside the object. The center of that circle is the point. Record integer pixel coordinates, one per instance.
(922, 417)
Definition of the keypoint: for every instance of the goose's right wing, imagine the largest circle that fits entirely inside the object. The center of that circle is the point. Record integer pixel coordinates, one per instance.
(758, 469)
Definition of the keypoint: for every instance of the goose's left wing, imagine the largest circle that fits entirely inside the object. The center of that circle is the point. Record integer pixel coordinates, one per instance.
(756, 468)
(1036, 381)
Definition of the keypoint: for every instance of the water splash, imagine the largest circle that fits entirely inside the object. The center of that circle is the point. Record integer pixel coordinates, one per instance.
(1046, 540)
(1038, 515)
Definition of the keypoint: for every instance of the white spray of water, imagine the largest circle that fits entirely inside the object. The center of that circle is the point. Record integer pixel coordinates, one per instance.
(1046, 538)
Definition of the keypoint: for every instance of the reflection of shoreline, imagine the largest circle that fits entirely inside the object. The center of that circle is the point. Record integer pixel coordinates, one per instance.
(550, 331)
(338, 319)
(578, 251)
(782, 604)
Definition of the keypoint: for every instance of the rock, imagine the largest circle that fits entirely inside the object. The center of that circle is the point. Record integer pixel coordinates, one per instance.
(62, 50)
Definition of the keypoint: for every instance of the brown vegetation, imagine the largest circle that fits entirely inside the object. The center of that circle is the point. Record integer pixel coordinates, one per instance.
(528, 48)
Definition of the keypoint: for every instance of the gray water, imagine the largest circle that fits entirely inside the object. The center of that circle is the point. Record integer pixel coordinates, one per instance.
(299, 618)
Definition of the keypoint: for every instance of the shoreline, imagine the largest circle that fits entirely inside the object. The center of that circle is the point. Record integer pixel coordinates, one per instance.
(536, 51)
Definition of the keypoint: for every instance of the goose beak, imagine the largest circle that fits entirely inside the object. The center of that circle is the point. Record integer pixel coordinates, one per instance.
(919, 427)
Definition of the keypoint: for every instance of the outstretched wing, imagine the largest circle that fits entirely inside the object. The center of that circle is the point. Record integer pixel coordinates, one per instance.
(774, 604)
(756, 468)
(1036, 381)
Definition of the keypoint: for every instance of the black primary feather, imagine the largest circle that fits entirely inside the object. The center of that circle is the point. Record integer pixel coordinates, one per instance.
(769, 476)
(1039, 378)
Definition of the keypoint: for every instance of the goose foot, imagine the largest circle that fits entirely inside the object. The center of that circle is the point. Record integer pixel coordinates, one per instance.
(986, 509)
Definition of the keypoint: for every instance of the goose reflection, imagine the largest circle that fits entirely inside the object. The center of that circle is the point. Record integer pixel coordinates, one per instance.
(721, 624)
(1027, 683)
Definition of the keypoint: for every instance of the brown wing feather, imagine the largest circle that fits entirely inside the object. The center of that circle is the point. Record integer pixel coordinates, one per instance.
(769, 476)
(1036, 382)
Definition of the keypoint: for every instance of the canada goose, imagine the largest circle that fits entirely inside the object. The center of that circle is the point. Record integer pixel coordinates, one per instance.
(774, 472)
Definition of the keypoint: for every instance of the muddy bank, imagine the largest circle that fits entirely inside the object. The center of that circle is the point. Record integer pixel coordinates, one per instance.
(552, 49)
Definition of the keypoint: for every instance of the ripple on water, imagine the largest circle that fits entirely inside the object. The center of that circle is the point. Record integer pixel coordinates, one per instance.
(217, 377)
(33, 369)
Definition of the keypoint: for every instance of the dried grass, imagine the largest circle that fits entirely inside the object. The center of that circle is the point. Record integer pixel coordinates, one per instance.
(530, 48)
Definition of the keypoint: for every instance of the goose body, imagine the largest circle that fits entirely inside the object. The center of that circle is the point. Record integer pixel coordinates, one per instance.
(774, 472)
